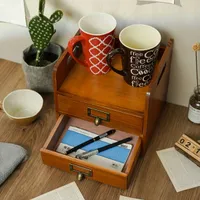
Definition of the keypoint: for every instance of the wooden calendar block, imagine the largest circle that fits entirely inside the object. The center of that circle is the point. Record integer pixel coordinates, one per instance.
(189, 148)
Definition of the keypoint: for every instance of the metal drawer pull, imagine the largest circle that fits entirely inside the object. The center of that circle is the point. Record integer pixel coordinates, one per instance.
(80, 174)
(98, 119)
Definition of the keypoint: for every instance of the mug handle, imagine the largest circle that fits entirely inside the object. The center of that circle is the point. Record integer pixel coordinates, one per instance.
(70, 48)
(110, 57)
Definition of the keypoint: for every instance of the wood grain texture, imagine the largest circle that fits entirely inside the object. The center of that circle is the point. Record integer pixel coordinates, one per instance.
(32, 178)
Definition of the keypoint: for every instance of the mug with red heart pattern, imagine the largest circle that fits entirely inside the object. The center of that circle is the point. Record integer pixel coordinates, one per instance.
(97, 39)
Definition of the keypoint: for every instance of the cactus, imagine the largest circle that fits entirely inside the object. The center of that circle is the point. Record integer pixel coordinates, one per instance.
(41, 29)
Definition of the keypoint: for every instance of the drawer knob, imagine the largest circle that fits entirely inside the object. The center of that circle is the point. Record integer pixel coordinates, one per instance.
(80, 176)
(98, 115)
(82, 172)
(97, 121)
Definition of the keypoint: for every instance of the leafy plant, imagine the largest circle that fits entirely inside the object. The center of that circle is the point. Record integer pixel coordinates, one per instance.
(41, 30)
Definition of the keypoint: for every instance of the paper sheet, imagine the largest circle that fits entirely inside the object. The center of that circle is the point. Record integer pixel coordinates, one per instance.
(69, 191)
(175, 2)
(12, 11)
(158, 1)
(183, 173)
(127, 198)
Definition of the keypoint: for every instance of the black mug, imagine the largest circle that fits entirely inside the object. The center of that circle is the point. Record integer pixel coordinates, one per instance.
(139, 46)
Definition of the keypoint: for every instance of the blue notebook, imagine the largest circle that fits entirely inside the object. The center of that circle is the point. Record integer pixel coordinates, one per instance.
(75, 136)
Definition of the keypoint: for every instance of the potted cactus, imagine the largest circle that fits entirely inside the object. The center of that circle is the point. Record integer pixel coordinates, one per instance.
(40, 58)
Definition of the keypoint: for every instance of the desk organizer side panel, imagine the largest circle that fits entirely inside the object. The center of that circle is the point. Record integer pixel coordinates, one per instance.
(156, 97)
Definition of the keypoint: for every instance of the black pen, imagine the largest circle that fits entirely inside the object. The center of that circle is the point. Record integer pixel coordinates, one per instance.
(88, 154)
(90, 141)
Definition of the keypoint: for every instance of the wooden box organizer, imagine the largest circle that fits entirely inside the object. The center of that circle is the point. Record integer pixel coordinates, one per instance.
(98, 102)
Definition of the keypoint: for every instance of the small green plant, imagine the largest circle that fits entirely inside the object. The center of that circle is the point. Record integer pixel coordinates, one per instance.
(41, 30)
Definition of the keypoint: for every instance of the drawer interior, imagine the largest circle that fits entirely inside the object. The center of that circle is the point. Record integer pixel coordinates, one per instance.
(59, 131)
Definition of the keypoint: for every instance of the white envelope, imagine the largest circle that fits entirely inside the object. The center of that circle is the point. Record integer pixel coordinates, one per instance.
(183, 173)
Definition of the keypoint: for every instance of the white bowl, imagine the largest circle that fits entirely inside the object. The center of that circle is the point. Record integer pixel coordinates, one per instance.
(23, 106)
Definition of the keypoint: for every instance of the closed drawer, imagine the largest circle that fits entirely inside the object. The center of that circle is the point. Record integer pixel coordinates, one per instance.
(91, 171)
(109, 117)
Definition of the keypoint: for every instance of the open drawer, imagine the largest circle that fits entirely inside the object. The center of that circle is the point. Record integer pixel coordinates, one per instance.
(83, 168)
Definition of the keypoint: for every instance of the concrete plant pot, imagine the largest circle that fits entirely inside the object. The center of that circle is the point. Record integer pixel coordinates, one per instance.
(40, 78)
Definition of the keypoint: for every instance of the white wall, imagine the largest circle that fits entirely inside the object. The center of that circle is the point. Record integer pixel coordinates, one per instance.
(180, 23)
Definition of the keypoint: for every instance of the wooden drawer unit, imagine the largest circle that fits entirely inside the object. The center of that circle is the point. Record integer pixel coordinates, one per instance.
(106, 101)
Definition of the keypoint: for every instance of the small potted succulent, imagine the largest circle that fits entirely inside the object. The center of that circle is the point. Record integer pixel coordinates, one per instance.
(40, 58)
